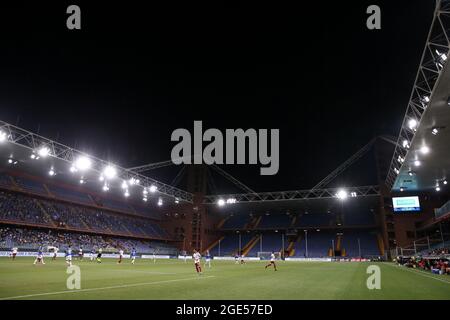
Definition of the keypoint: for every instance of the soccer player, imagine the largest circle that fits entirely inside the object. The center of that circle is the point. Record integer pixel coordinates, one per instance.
(197, 257)
(272, 261)
(69, 256)
(208, 259)
(120, 256)
(92, 254)
(55, 253)
(242, 259)
(154, 257)
(39, 258)
(13, 253)
(133, 255)
(236, 259)
(80, 254)
(99, 255)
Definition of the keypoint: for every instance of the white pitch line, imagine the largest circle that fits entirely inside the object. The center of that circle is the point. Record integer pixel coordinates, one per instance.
(422, 273)
(102, 288)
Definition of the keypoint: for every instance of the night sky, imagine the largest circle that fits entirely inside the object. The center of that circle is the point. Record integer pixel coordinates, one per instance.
(119, 87)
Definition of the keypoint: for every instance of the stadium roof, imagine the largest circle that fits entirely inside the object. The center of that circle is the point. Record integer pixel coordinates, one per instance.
(311, 205)
(434, 166)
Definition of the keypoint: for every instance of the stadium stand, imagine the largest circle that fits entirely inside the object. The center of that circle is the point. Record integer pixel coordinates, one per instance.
(22, 208)
(33, 239)
(229, 246)
(70, 195)
(316, 220)
(367, 241)
(274, 221)
(237, 221)
(30, 185)
(360, 217)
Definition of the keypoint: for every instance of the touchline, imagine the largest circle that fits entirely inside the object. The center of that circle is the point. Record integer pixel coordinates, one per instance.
(235, 149)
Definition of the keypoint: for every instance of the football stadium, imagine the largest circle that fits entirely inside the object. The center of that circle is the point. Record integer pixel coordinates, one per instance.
(76, 225)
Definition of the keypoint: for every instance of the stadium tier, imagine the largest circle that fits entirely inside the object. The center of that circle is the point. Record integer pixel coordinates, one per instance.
(316, 220)
(32, 239)
(353, 242)
(275, 221)
(25, 201)
(236, 221)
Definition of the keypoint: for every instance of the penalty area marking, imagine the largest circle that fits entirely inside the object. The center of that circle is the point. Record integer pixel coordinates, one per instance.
(421, 273)
(103, 288)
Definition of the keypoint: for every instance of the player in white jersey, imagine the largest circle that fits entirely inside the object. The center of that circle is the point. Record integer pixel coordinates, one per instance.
(272, 261)
(69, 256)
(55, 253)
(197, 257)
(14, 253)
(242, 259)
(120, 256)
(39, 258)
(80, 254)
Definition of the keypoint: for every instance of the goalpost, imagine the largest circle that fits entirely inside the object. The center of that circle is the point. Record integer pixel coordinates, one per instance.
(265, 255)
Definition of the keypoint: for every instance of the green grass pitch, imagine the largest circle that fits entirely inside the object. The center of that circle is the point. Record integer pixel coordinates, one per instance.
(175, 279)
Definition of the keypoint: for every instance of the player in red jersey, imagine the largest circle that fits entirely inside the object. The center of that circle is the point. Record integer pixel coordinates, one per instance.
(197, 257)
(272, 261)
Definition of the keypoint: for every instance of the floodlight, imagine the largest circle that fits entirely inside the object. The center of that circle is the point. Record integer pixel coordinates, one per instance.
(425, 150)
(221, 202)
(83, 163)
(110, 172)
(400, 159)
(144, 199)
(401, 189)
(73, 169)
(124, 185)
(396, 171)
(435, 131)
(10, 161)
(445, 182)
(231, 200)
(3, 136)
(342, 194)
(405, 144)
(43, 152)
(438, 189)
(417, 163)
(101, 178)
(51, 173)
(145, 192)
(176, 200)
(153, 188)
(82, 180)
(412, 124)
(133, 181)
(160, 202)
(126, 194)
(105, 187)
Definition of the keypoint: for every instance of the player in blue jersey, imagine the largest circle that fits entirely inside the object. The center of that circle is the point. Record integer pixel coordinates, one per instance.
(133, 255)
(69, 256)
(208, 259)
